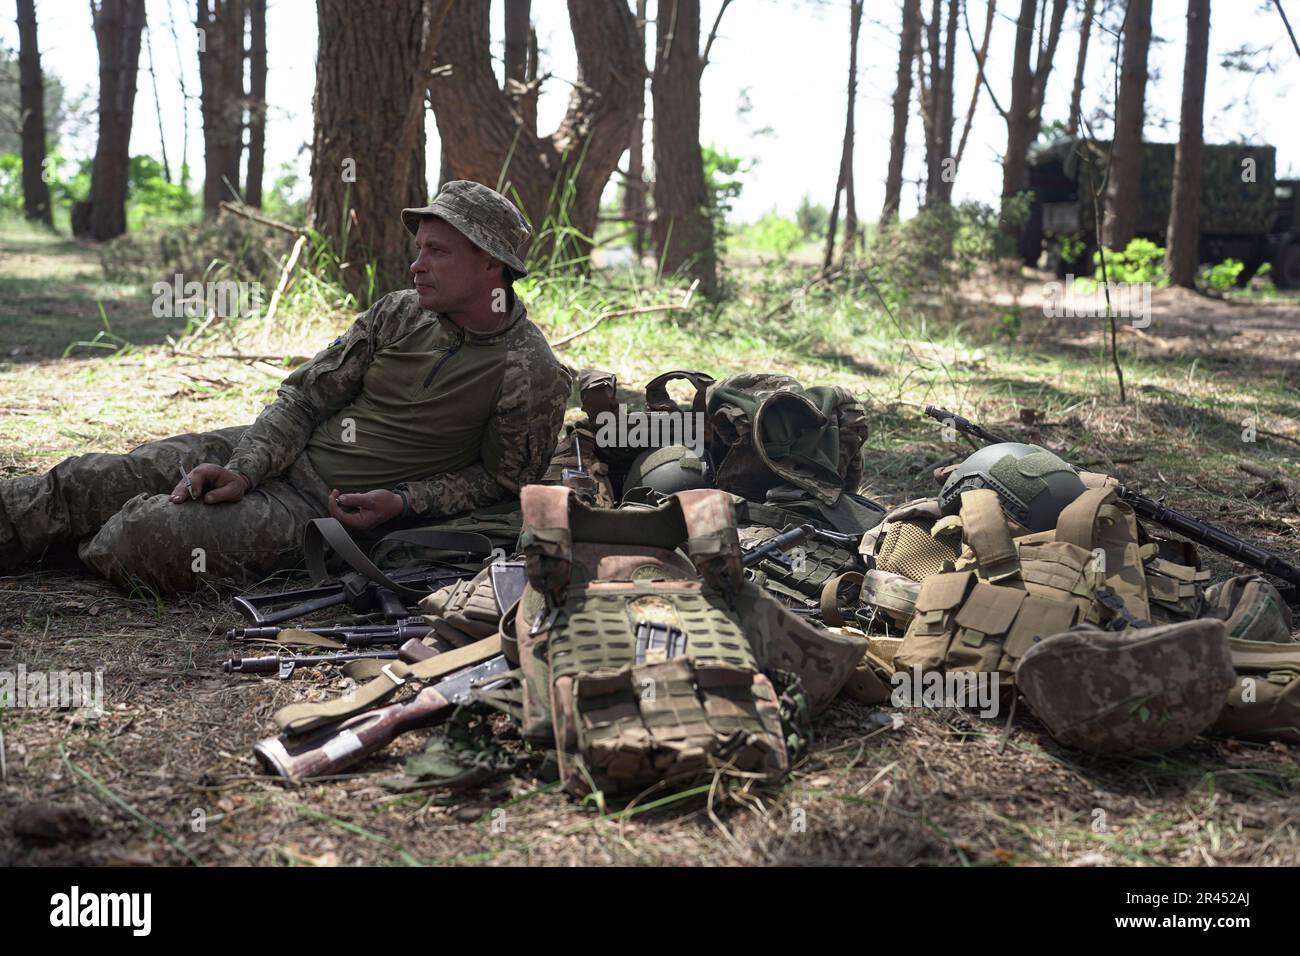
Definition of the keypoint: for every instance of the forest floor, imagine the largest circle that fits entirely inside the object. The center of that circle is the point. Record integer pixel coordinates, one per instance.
(165, 775)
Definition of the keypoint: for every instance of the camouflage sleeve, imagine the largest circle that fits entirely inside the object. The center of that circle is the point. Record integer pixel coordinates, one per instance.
(312, 394)
(518, 444)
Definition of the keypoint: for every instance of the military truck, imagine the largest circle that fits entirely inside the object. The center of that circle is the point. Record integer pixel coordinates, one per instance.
(1246, 212)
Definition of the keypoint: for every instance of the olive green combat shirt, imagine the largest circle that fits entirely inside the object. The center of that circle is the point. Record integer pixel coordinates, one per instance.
(408, 400)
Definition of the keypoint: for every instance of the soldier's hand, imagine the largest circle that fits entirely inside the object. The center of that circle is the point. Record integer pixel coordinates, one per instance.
(360, 512)
(213, 485)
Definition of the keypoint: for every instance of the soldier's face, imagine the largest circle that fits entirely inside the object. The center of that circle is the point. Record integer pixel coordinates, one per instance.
(451, 273)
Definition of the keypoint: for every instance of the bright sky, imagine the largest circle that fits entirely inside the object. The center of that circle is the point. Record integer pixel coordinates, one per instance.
(788, 59)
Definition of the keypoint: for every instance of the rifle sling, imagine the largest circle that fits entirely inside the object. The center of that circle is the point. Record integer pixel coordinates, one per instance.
(328, 531)
(830, 600)
(298, 718)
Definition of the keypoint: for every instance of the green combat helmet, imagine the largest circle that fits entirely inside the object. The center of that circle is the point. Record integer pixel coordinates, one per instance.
(668, 470)
(1032, 483)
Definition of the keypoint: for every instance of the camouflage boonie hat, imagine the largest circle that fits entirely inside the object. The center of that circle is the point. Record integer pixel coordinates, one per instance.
(483, 216)
(1133, 691)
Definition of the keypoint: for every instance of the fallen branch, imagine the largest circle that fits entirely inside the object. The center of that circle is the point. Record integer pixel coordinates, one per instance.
(240, 357)
(821, 280)
(247, 212)
(1274, 479)
(683, 306)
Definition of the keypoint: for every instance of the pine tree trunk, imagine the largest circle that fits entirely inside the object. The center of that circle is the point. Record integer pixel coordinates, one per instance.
(256, 101)
(945, 114)
(118, 27)
(360, 179)
(930, 81)
(683, 226)
(1122, 191)
(1020, 122)
(1076, 94)
(902, 101)
(634, 185)
(36, 191)
(221, 75)
(483, 142)
(850, 200)
(519, 36)
(845, 179)
(1182, 240)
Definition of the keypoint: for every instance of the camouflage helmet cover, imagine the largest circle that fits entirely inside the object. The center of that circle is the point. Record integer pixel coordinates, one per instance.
(1138, 690)
(483, 216)
(1033, 484)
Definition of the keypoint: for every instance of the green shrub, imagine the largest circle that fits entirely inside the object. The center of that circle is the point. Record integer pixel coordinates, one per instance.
(11, 182)
(771, 233)
(812, 218)
(152, 196)
(1223, 276)
(1141, 261)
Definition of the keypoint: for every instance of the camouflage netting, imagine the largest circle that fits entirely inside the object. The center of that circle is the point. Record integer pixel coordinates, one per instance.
(1229, 204)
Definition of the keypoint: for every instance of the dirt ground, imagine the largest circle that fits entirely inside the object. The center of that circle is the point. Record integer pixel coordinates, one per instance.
(166, 774)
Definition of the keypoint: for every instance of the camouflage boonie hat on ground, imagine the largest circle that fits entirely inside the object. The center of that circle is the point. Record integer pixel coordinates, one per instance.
(483, 216)
(1133, 691)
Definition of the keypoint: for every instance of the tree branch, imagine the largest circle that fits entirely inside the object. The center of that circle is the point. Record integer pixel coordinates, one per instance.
(1044, 67)
(1287, 24)
(704, 57)
(979, 65)
(980, 59)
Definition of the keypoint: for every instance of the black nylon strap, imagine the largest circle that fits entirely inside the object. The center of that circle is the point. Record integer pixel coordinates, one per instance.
(323, 532)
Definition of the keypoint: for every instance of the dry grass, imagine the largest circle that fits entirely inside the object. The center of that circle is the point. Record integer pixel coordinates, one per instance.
(173, 747)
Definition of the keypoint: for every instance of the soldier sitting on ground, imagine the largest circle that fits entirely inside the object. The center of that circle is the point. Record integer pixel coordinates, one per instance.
(436, 401)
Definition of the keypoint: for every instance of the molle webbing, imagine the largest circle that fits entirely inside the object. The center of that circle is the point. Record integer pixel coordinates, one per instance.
(1098, 521)
(601, 623)
(700, 717)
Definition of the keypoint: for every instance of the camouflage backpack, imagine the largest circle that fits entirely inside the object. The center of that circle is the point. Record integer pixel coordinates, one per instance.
(767, 430)
(644, 666)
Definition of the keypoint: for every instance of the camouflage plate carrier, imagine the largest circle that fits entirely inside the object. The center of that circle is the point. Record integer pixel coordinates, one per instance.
(644, 666)
(1004, 593)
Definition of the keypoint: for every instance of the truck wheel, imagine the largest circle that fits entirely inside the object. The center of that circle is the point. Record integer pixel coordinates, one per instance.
(1286, 267)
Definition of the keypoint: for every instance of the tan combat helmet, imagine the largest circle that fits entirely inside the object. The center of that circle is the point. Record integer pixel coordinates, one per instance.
(483, 216)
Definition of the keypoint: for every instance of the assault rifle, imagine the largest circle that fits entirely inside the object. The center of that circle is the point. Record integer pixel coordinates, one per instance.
(365, 635)
(283, 666)
(1155, 510)
(330, 749)
(354, 590)
(775, 547)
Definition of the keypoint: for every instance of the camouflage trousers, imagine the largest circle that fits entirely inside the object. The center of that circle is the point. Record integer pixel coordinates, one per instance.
(115, 513)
